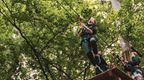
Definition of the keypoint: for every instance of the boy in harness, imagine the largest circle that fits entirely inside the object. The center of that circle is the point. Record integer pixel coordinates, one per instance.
(88, 43)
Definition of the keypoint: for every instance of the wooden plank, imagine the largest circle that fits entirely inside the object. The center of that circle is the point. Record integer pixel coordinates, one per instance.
(121, 74)
(112, 74)
(103, 76)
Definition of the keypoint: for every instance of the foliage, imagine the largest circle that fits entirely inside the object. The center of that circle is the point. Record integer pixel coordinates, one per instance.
(43, 35)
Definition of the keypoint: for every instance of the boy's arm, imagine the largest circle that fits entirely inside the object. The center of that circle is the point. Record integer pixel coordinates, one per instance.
(81, 27)
(89, 30)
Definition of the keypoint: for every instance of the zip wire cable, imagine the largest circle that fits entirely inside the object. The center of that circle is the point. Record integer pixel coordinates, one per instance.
(71, 7)
(65, 9)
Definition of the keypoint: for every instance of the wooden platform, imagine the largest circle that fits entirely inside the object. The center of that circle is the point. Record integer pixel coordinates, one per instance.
(112, 74)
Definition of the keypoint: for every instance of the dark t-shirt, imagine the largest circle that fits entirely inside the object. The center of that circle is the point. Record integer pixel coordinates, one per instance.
(86, 32)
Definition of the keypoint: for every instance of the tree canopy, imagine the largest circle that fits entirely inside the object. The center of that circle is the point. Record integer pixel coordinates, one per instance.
(39, 38)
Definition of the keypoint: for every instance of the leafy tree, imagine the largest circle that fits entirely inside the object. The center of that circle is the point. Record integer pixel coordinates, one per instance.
(40, 36)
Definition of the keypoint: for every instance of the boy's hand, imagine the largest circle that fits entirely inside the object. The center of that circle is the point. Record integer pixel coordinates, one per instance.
(81, 25)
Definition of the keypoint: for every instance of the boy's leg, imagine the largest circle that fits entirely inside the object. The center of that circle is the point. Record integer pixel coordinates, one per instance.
(101, 63)
(87, 50)
(85, 46)
(94, 45)
(91, 58)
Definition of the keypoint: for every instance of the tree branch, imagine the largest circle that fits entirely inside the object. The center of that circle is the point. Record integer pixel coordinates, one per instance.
(28, 42)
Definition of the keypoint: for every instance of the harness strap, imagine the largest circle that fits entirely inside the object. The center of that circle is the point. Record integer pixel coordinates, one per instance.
(99, 68)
